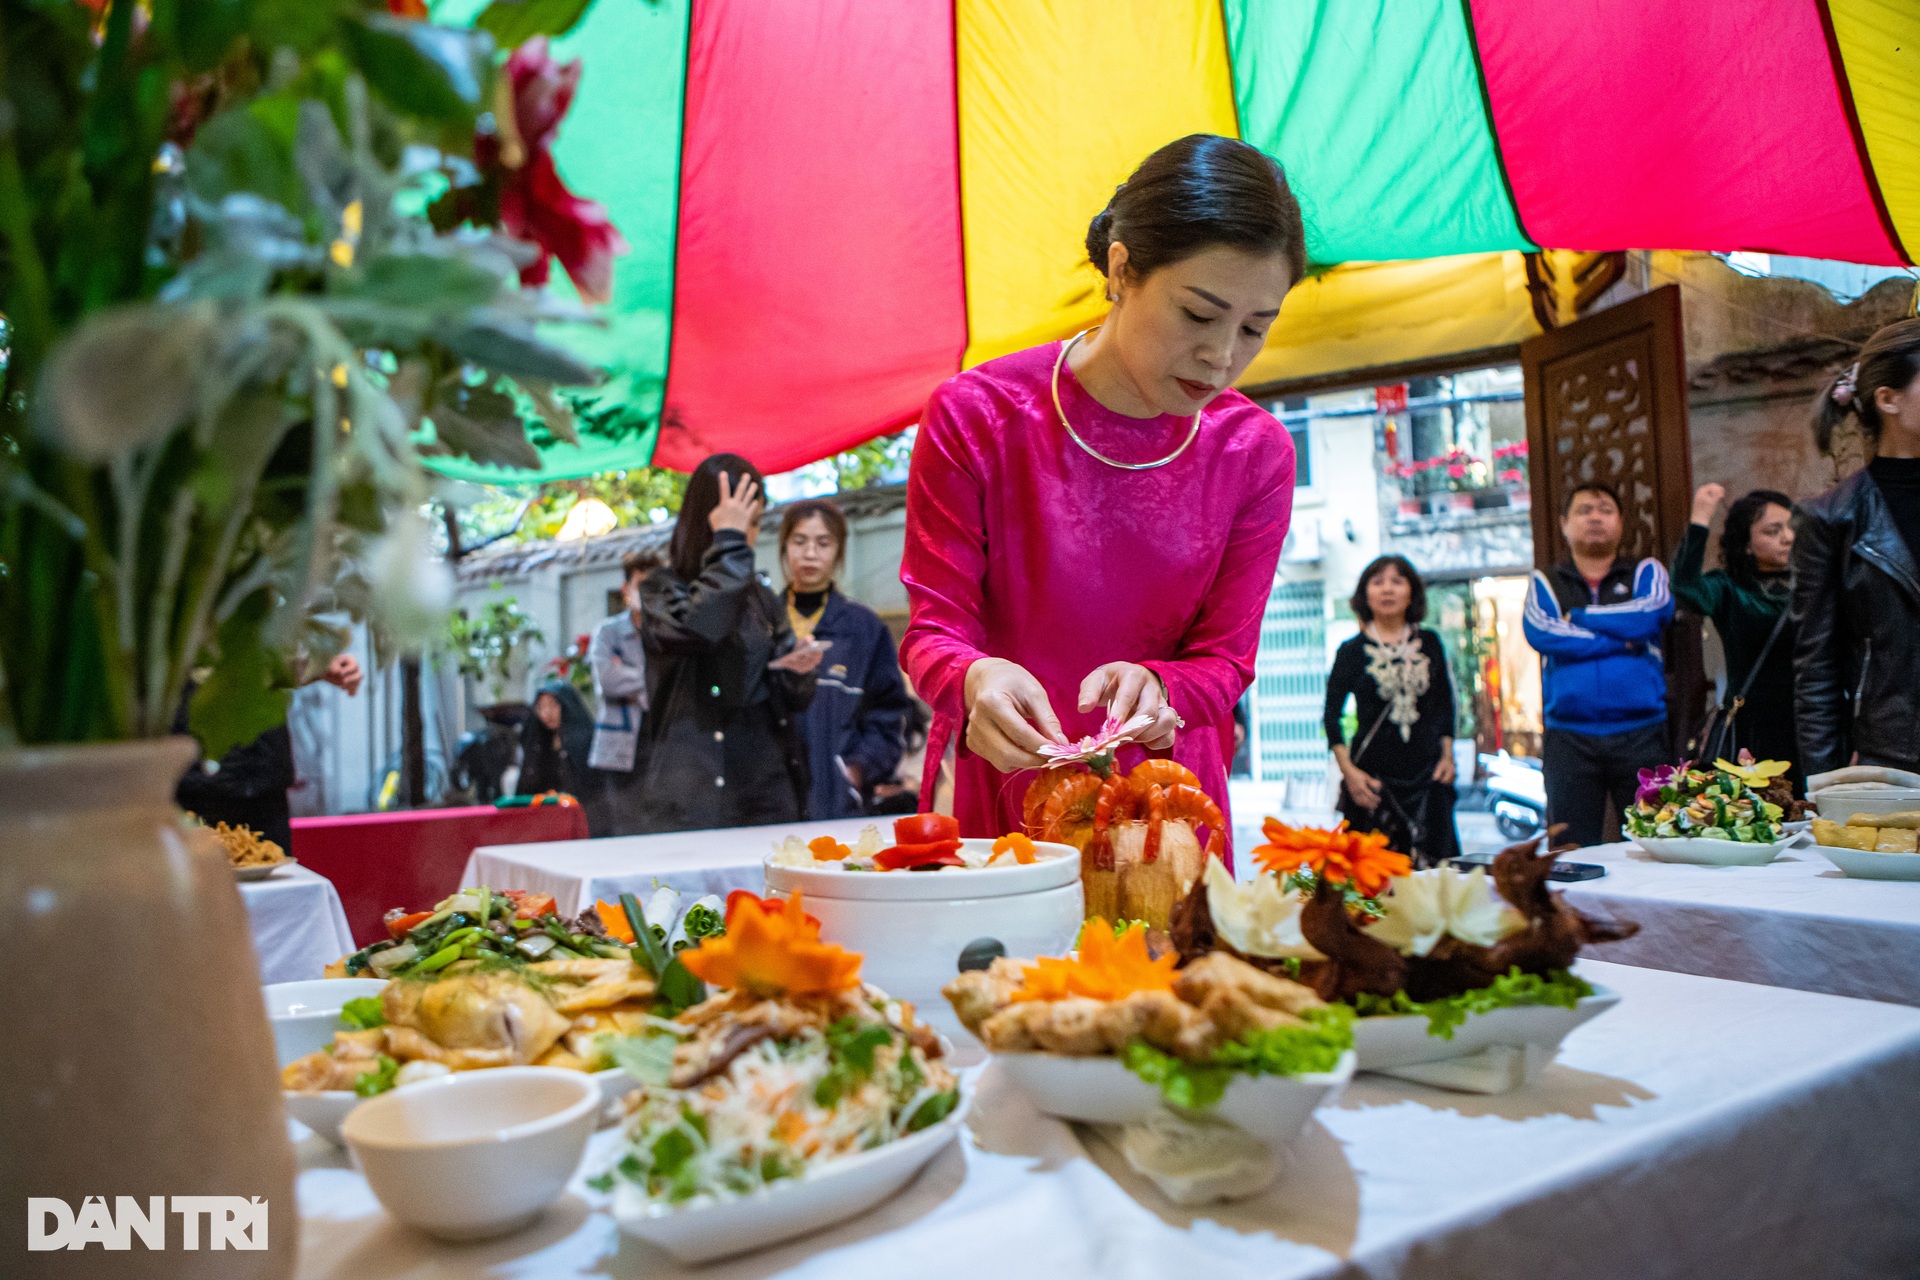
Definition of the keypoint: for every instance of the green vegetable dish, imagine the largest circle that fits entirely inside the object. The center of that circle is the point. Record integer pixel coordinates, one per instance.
(1512, 989)
(756, 1092)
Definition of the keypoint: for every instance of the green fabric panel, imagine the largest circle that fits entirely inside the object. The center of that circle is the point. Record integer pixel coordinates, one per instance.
(1379, 122)
(619, 145)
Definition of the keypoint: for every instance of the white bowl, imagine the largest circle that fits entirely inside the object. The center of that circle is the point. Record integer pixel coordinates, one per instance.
(1402, 1040)
(1837, 804)
(912, 925)
(1867, 864)
(306, 1014)
(476, 1153)
(263, 870)
(1701, 852)
(704, 1229)
(324, 1111)
(1100, 1090)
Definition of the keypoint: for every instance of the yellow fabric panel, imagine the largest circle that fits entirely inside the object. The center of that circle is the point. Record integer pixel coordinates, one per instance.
(1059, 100)
(1880, 45)
(1366, 314)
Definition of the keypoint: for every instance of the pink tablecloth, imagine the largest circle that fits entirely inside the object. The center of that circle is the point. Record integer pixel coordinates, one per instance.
(414, 858)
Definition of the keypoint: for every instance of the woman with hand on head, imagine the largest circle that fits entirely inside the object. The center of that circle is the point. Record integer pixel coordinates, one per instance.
(1092, 525)
(1397, 774)
(1856, 571)
(1747, 599)
(726, 678)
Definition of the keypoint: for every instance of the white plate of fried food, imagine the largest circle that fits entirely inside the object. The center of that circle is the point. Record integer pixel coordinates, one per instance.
(1065, 1053)
(254, 857)
(1872, 846)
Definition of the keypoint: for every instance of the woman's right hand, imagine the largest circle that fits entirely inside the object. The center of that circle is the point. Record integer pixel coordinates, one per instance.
(737, 509)
(1362, 786)
(1706, 501)
(1004, 704)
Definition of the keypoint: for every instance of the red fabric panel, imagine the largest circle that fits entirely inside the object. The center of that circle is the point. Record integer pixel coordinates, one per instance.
(1628, 125)
(818, 295)
(414, 858)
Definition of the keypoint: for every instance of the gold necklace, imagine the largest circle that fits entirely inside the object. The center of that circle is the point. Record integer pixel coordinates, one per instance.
(1089, 449)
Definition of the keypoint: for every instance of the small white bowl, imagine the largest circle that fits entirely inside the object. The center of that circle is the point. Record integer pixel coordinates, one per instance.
(911, 926)
(704, 1229)
(475, 1154)
(306, 1014)
(323, 1111)
(1837, 804)
(1100, 1090)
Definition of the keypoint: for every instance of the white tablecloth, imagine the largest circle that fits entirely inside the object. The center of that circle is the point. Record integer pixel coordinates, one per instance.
(576, 872)
(299, 927)
(1702, 1128)
(1796, 922)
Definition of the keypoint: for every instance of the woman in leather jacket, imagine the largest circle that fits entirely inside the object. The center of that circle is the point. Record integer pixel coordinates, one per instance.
(1856, 567)
(725, 676)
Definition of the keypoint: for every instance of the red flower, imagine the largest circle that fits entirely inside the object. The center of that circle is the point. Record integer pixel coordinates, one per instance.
(534, 204)
(416, 9)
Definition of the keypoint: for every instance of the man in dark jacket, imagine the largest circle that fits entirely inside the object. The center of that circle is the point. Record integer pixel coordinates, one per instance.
(1597, 622)
(855, 728)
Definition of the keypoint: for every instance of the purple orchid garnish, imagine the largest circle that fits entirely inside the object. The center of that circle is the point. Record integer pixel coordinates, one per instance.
(1654, 781)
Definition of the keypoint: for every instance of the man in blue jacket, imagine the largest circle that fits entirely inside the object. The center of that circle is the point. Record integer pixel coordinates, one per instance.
(1597, 622)
(855, 727)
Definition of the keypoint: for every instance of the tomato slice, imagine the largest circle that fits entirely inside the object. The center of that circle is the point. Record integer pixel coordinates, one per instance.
(931, 853)
(532, 906)
(401, 921)
(925, 828)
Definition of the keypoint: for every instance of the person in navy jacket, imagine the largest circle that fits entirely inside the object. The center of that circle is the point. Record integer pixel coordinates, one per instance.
(855, 729)
(1597, 622)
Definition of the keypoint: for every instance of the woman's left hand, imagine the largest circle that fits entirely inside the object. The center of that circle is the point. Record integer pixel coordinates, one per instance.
(800, 659)
(1128, 689)
(1443, 772)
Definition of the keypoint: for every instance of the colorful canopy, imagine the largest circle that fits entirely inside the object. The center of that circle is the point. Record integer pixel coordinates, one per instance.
(835, 204)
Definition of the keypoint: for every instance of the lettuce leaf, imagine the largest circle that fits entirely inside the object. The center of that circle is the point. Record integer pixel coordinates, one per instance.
(1283, 1051)
(1559, 988)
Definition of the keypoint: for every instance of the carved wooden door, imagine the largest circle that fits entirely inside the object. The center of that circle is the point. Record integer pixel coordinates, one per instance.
(1607, 401)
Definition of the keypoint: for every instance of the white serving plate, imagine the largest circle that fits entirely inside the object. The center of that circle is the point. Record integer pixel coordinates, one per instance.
(325, 1111)
(1402, 1040)
(912, 925)
(1865, 864)
(1837, 804)
(1100, 1090)
(702, 1230)
(264, 870)
(1700, 852)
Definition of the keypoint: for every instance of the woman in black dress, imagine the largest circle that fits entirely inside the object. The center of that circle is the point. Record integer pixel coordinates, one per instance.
(726, 679)
(1397, 774)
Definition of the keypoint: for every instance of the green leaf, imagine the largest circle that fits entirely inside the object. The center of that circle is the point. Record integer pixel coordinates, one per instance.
(482, 424)
(125, 378)
(436, 73)
(243, 150)
(932, 1111)
(1282, 1051)
(506, 344)
(364, 1014)
(1559, 988)
(648, 1059)
(240, 699)
(679, 989)
(204, 30)
(515, 21)
(379, 1080)
(430, 282)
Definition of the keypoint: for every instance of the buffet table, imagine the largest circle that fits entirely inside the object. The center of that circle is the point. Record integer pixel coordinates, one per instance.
(413, 858)
(1701, 1128)
(576, 872)
(299, 926)
(1796, 922)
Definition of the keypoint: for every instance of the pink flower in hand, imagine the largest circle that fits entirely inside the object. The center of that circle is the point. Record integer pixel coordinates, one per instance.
(1112, 736)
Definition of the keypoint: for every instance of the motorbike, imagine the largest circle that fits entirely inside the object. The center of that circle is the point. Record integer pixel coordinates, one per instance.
(1519, 793)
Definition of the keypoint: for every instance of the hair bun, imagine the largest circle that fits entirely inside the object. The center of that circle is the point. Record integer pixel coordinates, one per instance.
(1100, 237)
